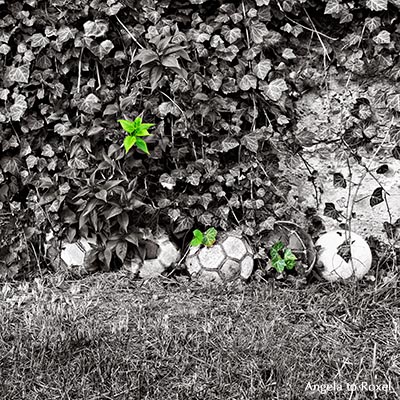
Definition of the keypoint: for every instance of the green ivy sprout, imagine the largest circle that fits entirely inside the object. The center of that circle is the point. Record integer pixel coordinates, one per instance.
(207, 238)
(135, 129)
(281, 258)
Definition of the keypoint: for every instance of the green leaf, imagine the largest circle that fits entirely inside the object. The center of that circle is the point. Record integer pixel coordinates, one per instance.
(143, 133)
(137, 122)
(197, 238)
(142, 145)
(142, 130)
(279, 265)
(146, 126)
(209, 237)
(290, 259)
(127, 126)
(129, 141)
(195, 242)
(274, 252)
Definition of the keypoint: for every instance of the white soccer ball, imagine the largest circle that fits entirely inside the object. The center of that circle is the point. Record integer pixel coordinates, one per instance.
(167, 254)
(342, 255)
(230, 258)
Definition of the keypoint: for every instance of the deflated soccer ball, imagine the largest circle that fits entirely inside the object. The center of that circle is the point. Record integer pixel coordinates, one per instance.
(229, 259)
(342, 254)
(163, 255)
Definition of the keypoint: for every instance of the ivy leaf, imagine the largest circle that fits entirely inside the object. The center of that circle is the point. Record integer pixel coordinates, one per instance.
(167, 181)
(231, 35)
(91, 104)
(279, 264)
(142, 145)
(275, 89)
(372, 23)
(257, 32)
(210, 237)
(19, 107)
(229, 144)
(4, 49)
(376, 197)
(393, 102)
(382, 38)
(100, 50)
(247, 82)
(104, 48)
(64, 34)
(215, 82)
(275, 249)
(330, 211)
(377, 5)
(129, 141)
(290, 259)
(38, 40)
(382, 169)
(250, 141)
(95, 28)
(339, 180)
(332, 7)
(288, 54)
(396, 152)
(262, 69)
(197, 238)
(18, 74)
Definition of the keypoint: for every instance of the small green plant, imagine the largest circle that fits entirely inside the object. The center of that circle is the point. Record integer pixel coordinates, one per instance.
(207, 238)
(135, 129)
(282, 258)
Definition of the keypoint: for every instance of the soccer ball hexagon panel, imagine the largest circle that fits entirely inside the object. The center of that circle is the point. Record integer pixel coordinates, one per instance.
(230, 258)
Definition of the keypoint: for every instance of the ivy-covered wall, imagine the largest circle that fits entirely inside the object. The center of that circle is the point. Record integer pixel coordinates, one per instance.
(221, 82)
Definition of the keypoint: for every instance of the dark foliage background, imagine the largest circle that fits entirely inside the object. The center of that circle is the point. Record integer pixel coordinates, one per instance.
(219, 80)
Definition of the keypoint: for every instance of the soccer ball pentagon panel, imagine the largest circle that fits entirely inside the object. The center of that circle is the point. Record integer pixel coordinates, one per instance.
(230, 258)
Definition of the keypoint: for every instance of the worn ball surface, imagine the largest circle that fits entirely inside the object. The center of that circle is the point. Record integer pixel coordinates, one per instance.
(342, 255)
(230, 258)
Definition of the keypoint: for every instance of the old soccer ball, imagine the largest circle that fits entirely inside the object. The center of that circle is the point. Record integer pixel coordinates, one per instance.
(229, 259)
(161, 254)
(342, 255)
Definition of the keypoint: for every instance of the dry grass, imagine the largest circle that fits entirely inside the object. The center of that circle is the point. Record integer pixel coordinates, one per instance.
(108, 337)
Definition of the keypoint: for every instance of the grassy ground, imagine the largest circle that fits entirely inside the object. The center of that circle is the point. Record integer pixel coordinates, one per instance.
(109, 337)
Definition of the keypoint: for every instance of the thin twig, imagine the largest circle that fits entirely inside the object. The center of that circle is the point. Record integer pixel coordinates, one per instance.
(98, 75)
(129, 33)
(326, 54)
(233, 212)
(130, 67)
(78, 89)
(303, 26)
(247, 29)
(174, 103)
(369, 166)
